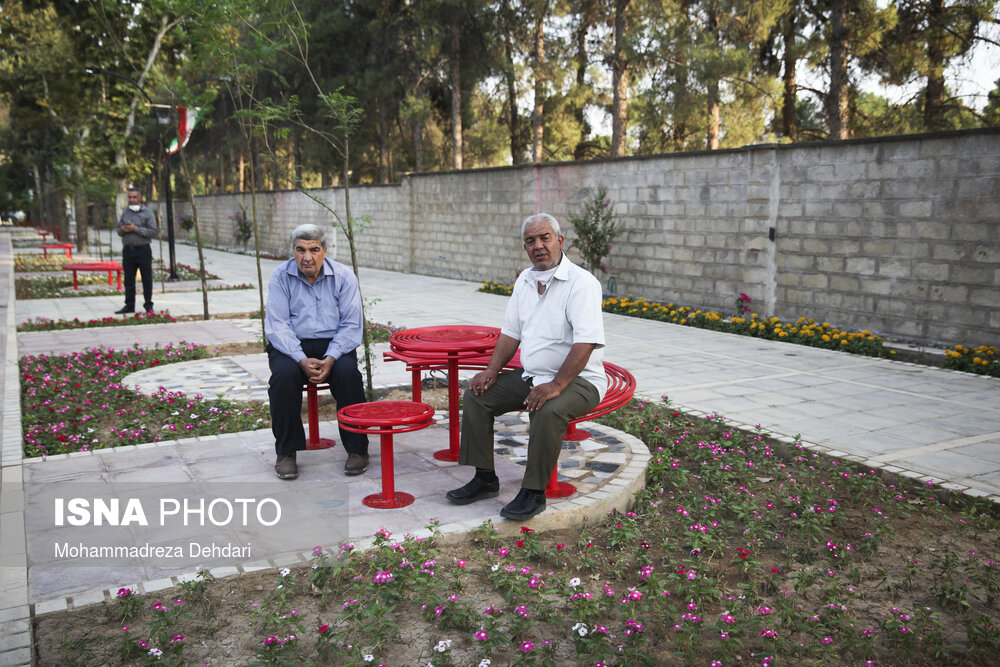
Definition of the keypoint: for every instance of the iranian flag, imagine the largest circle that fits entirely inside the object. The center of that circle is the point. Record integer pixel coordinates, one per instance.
(187, 118)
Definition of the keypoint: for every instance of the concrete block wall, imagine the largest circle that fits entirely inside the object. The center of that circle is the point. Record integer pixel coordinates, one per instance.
(897, 235)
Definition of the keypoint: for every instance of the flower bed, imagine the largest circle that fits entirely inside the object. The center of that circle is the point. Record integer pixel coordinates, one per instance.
(61, 286)
(45, 324)
(982, 360)
(803, 331)
(380, 332)
(741, 550)
(75, 402)
(32, 262)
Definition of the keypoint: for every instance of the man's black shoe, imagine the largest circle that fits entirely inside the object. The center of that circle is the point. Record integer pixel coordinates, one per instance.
(525, 505)
(356, 464)
(285, 468)
(475, 490)
(123, 310)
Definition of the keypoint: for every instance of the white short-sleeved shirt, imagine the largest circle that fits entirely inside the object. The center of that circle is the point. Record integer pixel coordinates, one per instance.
(549, 325)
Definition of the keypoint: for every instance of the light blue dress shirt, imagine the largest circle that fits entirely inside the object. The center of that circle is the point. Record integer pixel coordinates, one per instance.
(329, 308)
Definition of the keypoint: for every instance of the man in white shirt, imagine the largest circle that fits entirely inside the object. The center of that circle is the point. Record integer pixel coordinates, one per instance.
(554, 317)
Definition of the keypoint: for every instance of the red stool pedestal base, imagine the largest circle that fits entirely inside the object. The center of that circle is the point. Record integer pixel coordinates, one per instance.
(559, 490)
(396, 500)
(320, 443)
(446, 455)
(313, 441)
(575, 434)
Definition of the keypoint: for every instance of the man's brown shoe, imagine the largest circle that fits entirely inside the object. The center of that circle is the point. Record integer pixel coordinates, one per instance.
(285, 466)
(356, 464)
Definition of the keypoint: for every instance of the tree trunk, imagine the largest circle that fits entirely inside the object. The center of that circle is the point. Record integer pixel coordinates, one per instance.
(934, 92)
(456, 89)
(297, 158)
(620, 80)
(838, 111)
(418, 145)
(384, 128)
(241, 172)
(588, 11)
(513, 119)
(258, 171)
(121, 160)
(712, 138)
(197, 234)
(789, 124)
(538, 62)
(82, 228)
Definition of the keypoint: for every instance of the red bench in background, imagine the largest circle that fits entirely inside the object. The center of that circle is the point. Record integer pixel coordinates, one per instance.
(68, 247)
(110, 267)
(45, 231)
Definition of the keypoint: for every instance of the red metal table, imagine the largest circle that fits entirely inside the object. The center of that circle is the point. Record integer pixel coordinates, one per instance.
(386, 419)
(110, 267)
(446, 345)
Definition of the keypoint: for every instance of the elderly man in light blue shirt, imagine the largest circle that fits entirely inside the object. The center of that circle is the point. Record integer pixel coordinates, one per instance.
(313, 327)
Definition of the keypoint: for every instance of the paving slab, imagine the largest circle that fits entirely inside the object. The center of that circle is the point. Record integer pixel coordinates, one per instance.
(920, 422)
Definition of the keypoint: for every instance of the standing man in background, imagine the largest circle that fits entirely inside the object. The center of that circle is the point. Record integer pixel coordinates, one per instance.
(137, 228)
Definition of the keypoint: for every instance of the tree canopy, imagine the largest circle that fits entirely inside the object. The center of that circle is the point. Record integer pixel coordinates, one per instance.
(445, 84)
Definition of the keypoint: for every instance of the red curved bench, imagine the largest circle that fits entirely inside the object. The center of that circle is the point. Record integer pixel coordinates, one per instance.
(621, 389)
(68, 247)
(386, 419)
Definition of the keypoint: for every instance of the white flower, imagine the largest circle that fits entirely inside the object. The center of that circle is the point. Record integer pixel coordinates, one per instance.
(574, 582)
(443, 645)
(369, 657)
(285, 572)
(580, 629)
(485, 662)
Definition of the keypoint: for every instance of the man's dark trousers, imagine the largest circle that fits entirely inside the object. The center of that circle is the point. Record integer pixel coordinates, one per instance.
(285, 394)
(138, 257)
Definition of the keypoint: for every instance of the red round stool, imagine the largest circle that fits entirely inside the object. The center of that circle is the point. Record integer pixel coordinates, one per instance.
(386, 418)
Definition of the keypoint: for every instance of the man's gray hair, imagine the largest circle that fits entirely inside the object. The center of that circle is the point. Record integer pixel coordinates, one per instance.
(309, 232)
(134, 189)
(541, 217)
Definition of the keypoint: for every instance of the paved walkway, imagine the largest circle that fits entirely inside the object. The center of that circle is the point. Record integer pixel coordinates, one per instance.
(920, 422)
